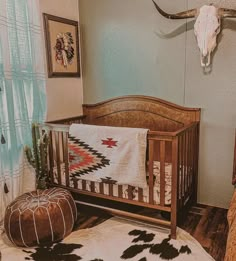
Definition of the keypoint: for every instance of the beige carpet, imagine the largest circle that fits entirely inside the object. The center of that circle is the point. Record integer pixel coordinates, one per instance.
(115, 239)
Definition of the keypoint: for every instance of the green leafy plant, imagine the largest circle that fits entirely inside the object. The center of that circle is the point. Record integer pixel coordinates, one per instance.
(37, 156)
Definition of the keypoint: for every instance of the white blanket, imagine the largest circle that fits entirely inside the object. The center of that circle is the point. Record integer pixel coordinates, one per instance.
(113, 155)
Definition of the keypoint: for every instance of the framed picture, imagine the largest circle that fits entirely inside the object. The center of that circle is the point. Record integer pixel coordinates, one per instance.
(62, 46)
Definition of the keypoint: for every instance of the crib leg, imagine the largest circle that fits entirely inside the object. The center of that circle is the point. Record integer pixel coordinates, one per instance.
(174, 191)
(173, 224)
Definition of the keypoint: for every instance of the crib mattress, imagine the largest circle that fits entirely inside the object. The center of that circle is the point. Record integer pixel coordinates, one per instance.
(156, 192)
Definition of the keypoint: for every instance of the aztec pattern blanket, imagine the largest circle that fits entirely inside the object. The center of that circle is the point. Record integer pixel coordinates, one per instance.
(113, 240)
(114, 155)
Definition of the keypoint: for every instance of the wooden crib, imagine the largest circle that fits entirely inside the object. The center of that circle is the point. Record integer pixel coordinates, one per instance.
(172, 139)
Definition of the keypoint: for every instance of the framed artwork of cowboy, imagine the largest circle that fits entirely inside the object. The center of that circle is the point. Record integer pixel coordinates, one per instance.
(62, 46)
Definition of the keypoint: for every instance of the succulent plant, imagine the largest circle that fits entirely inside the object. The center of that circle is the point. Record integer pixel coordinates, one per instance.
(37, 156)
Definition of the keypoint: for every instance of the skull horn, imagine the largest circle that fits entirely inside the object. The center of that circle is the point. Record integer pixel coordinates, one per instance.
(225, 12)
(186, 14)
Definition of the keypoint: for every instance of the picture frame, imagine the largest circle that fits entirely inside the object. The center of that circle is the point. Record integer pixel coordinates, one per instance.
(62, 46)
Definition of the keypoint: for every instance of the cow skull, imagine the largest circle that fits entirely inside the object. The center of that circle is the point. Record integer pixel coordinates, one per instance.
(206, 27)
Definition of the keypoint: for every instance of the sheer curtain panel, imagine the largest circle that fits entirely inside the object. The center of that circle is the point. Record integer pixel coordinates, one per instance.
(22, 93)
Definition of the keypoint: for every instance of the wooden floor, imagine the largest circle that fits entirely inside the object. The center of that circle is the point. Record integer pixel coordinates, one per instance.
(207, 224)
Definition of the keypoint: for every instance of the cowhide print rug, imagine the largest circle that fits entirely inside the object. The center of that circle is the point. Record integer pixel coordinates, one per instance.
(115, 239)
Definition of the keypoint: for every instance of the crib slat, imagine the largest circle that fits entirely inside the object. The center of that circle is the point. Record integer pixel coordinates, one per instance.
(92, 186)
(101, 188)
(61, 155)
(194, 151)
(150, 170)
(181, 162)
(84, 184)
(58, 157)
(140, 194)
(130, 192)
(179, 172)
(162, 173)
(50, 154)
(174, 187)
(43, 158)
(196, 155)
(191, 160)
(186, 167)
(66, 157)
(110, 189)
(75, 183)
(120, 191)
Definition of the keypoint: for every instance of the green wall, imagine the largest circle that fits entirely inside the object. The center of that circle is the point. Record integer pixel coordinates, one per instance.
(122, 54)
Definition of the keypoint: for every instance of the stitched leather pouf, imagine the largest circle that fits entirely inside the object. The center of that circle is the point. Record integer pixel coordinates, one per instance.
(40, 217)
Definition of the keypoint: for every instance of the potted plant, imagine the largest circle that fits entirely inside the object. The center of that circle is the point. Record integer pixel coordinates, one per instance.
(37, 156)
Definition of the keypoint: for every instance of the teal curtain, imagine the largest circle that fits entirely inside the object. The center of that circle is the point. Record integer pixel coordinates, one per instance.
(22, 90)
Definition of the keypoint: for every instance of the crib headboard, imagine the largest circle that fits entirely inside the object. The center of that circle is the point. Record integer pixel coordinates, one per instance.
(140, 112)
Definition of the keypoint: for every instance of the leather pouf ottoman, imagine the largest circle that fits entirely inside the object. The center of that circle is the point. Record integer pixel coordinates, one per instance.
(40, 217)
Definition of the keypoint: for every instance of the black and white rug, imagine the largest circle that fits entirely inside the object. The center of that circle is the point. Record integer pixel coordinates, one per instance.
(115, 239)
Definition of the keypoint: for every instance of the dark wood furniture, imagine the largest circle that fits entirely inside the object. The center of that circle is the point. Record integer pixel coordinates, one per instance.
(173, 137)
(231, 216)
(234, 162)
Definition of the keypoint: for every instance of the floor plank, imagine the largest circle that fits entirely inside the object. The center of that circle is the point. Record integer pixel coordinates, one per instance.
(209, 226)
